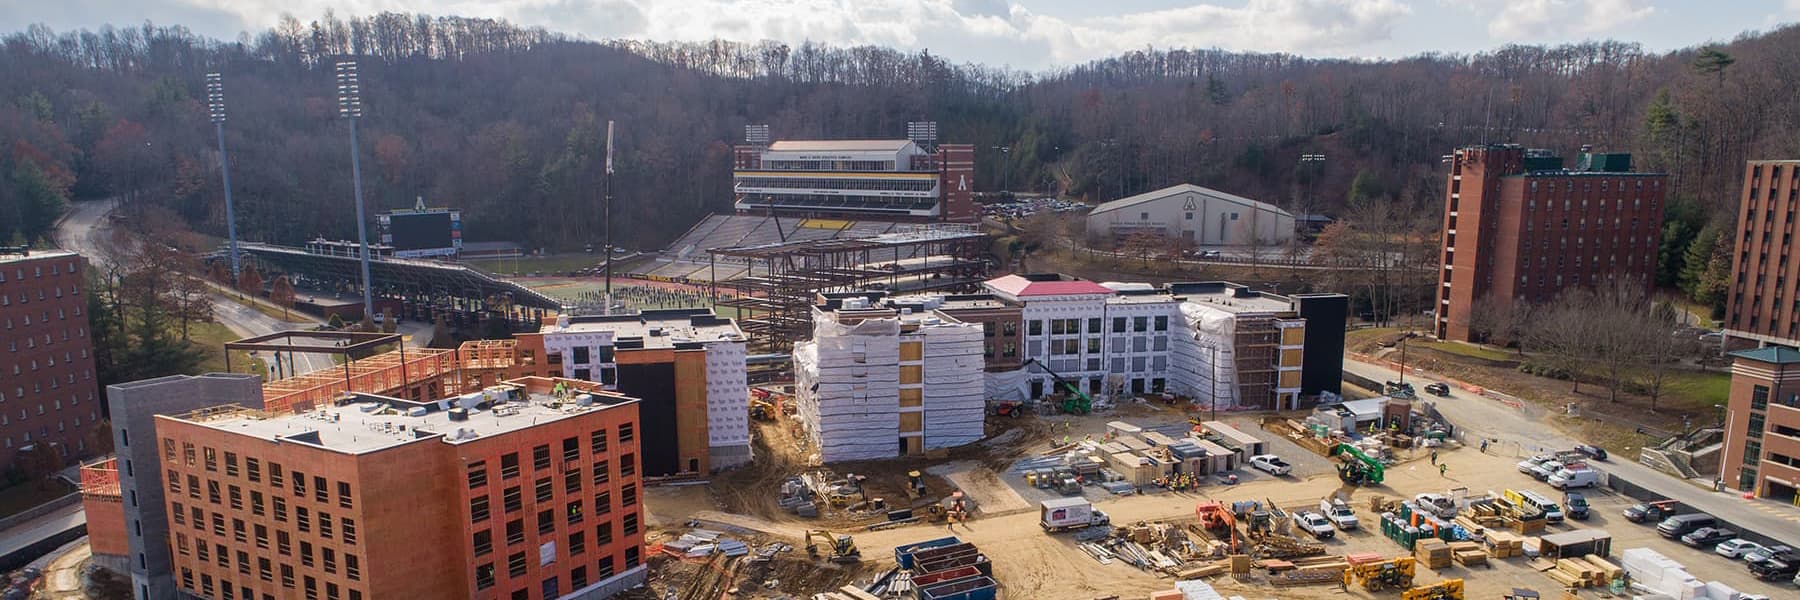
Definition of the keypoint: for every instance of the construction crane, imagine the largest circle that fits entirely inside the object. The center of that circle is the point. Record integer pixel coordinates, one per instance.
(843, 547)
(1075, 402)
(1448, 589)
(1392, 573)
(1357, 467)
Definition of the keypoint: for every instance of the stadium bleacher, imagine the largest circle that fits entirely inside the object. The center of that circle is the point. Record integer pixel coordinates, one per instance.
(687, 257)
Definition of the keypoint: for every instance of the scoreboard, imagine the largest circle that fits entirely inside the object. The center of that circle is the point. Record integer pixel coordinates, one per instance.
(421, 231)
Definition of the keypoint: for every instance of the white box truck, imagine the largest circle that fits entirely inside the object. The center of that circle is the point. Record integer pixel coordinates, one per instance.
(1567, 478)
(1063, 514)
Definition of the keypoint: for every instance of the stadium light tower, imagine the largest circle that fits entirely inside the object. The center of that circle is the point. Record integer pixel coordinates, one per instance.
(215, 108)
(349, 94)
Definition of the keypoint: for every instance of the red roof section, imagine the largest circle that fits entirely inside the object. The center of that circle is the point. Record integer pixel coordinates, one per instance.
(1021, 287)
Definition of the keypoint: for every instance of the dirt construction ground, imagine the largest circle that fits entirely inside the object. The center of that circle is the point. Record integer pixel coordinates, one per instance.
(1030, 564)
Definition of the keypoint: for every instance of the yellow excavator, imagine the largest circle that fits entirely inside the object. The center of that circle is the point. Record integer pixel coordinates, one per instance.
(1393, 573)
(843, 547)
(1448, 589)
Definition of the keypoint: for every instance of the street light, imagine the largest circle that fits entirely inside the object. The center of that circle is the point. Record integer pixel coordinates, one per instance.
(215, 108)
(349, 95)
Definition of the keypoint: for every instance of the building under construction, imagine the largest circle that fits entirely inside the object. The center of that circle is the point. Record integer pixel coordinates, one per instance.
(776, 293)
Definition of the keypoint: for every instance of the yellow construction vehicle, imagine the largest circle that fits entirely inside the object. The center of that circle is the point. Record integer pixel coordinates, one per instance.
(843, 547)
(763, 410)
(1393, 573)
(915, 485)
(1448, 589)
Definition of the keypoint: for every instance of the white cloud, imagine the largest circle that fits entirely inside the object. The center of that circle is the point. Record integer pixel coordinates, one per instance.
(992, 31)
(1542, 20)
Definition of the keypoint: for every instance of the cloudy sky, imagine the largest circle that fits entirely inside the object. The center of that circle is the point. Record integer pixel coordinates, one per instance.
(1028, 34)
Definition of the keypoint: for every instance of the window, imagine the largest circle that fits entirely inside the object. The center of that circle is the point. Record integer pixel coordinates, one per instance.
(325, 525)
(572, 482)
(320, 493)
(256, 502)
(236, 494)
(571, 449)
(602, 472)
(544, 491)
(1752, 453)
(631, 557)
(1162, 323)
(551, 589)
(1035, 327)
(574, 509)
(628, 465)
(1756, 425)
(1759, 397)
(540, 457)
(349, 526)
(515, 532)
(605, 567)
(546, 520)
(1140, 323)
(299, 484)
(253, 470)
(280, 508)
(262, 536)
(603, 502)
(265, 570)
(629, 523)
(509, 465)
(478, 509)
(328, 557)
(577, 543)
(231, 464)
(625, 433)
(352, 569)
(283, 543)
(515, 565)
(306, 554)
(581, 355)
(513, 499)
(477, 474)
(578, 578)
(344, 499)
(603, 534)
(597, 442)
(287, 576)
(628, 495)
(484, 542)
(275, 474)
(212, 459)
(301, 520)
(240, 531)
(484, 576)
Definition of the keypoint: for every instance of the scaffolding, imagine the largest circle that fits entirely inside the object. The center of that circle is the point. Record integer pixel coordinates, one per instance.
(774, 297)
(1257, 345)
(100, 480)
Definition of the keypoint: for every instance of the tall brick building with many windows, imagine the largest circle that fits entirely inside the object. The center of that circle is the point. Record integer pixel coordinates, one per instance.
(527, 491)
(1521, 227)
(1762, 424)
(1764, 302)
(48, 395)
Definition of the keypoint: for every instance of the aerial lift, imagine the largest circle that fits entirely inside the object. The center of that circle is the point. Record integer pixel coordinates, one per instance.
(1357, 468)
(1377, 576)
(1448, 589)
(843, 548)
(1075, 402)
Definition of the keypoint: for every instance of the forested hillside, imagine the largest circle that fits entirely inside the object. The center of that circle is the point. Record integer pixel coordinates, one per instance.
(508, 123)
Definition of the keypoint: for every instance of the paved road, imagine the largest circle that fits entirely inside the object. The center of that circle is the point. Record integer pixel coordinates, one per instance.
(1527, 431)
(86, 230)
(43, 527)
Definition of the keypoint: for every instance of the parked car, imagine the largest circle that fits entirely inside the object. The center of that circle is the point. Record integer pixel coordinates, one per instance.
(1271, 463)
(1544, 470)
(1340, 514)
(1773, 569)
(1650, 512)
(1592, 451)
(1680, 525)
(1576, 504)
(1708, 536)
(1736, 547)
(1438, 389)
(1768, 552)
(1315, 524)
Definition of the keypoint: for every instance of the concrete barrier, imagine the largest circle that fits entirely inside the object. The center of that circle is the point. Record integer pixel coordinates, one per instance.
(40, 510)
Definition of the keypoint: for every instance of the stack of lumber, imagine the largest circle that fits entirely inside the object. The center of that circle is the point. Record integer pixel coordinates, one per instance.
(1505, 545)
(1528, 526)
(1468, 554)
(1335, 564)
(1583, 571)
(1298, 577)
(1432, 553)
(1201, 570)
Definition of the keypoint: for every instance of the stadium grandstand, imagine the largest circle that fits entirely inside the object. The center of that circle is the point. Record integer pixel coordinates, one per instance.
(421, 286)
(811, 190)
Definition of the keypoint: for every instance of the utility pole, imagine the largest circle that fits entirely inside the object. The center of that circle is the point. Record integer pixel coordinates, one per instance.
(606, 214)
(349, 93)
(1005, 167)
(215, 104)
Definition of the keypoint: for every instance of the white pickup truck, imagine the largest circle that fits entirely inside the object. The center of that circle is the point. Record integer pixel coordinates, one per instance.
(1271, 463)
(1339, 514)
(1315, 524)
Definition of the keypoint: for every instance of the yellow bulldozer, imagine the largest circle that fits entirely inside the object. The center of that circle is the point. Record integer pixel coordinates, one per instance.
(843, 547)
(1448, 589)
(1393, 573)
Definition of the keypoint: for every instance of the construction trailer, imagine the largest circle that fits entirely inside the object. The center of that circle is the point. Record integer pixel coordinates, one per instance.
(1570, 544)
(1244, 444)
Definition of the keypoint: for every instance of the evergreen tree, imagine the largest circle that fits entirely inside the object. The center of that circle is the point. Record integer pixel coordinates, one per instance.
(40, 204)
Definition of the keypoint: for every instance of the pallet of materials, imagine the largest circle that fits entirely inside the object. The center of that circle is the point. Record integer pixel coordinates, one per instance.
(1432, 553)
(1501, 544)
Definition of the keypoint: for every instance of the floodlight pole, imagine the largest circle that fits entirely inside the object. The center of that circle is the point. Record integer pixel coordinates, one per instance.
(350, 108)
(215, 102)
(606, 215)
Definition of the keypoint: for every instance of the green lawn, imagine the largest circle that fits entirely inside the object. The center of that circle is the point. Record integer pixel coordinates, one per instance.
(1359, 337)
(1696, 390)
(545, 264)
(1469, 350)
(211, 337)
